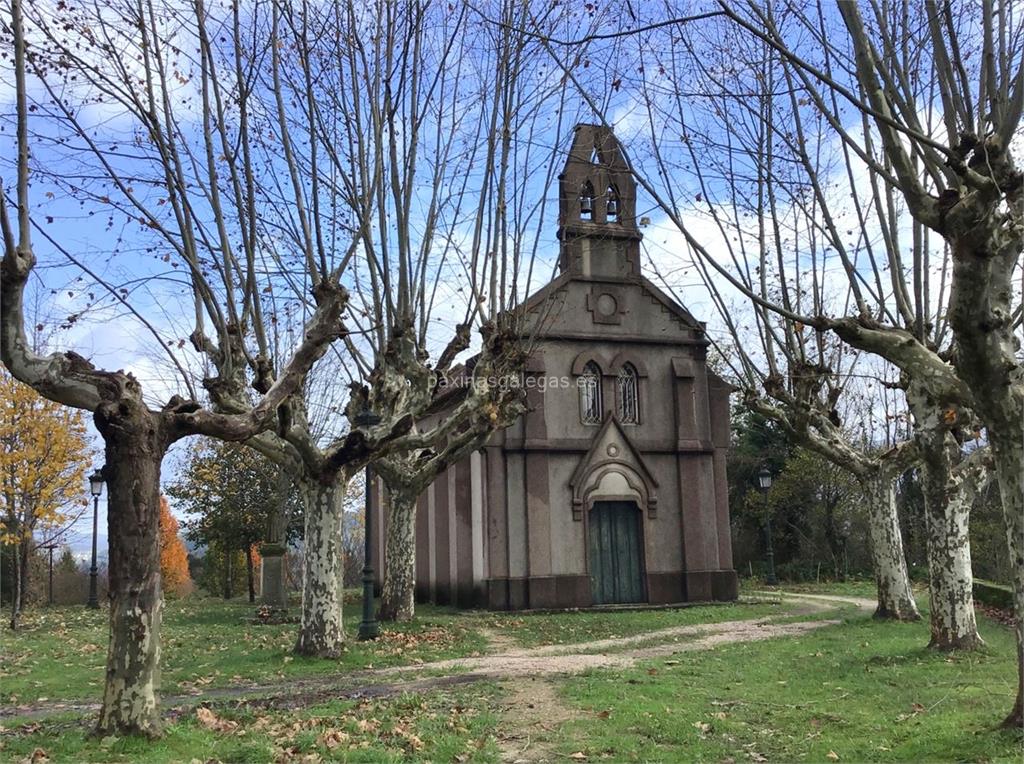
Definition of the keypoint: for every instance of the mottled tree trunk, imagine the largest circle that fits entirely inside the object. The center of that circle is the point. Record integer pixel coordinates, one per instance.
(950, 579)
(321, 632)
(397, 599)
(135, 446)
(895, 597)
(947, 506)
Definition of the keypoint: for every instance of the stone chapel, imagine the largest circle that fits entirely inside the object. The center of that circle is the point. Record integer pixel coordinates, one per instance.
(611, 488)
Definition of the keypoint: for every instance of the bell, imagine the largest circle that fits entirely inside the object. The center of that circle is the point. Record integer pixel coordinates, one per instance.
(613, 208)
(586, 206)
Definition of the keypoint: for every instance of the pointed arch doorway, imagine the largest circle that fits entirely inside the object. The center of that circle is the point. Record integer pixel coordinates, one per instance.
(616, 561)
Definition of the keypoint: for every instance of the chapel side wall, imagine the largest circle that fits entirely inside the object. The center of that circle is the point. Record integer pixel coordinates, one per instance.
(423, 549)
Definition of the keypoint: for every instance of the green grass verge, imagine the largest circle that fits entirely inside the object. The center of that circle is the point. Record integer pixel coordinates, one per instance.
(59, 653)
(445, 725)
(862, 691)
(571, 627)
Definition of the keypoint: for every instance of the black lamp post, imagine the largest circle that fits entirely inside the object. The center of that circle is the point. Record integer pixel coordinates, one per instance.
(95, 488)
(50, 547)
(764, 479)
(368, 629)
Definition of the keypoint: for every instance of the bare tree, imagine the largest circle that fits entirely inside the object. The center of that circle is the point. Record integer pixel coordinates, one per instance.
(957, 176)
(169, 184)
(397, 139)
(898, 290)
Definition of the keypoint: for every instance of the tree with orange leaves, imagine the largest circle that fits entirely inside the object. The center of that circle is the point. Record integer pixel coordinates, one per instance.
(173, 555)
(44, 454)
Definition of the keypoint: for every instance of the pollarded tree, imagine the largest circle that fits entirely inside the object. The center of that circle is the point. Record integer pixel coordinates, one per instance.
(424, 123)
(938, 93)
(44, 456)
(760, 138)
(188, 193)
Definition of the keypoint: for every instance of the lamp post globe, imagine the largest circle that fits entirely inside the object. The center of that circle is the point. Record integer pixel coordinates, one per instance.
(96, 489)
(368, 628)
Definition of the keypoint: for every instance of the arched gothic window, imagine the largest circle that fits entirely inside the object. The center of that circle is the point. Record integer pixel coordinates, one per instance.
(612, 202)
(627, 399)
(587, 202)
(590, 394)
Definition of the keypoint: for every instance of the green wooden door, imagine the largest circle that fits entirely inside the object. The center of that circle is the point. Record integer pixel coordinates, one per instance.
(615, 566)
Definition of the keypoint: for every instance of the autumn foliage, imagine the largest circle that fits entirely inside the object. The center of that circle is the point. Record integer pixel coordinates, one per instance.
(44, 455)
(173, 555)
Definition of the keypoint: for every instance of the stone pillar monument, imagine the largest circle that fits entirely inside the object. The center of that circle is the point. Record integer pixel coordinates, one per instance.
(273, 589)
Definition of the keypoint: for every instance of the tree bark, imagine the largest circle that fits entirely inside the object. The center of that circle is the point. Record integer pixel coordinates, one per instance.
(250, 573)
(321, 632)
(134, 448)
(895, 597)
(398, 600)
(947, 506)
(950, 579)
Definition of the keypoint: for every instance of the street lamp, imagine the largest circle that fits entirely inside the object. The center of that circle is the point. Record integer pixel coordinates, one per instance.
(764, 479)
(50, 547)
(95, 488)
(368, 629)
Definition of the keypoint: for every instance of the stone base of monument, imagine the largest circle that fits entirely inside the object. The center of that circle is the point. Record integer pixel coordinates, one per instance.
(273, 592)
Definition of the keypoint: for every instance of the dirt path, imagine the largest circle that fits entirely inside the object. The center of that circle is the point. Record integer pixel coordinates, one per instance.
(533, 711)
(532, 700)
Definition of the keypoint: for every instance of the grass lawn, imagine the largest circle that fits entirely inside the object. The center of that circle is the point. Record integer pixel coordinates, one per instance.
(534, 630)
(59, 653)
(449, 725)
(862, 691)
(859, 691)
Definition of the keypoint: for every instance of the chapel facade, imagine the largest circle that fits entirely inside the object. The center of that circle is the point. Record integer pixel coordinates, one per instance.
(611, 488)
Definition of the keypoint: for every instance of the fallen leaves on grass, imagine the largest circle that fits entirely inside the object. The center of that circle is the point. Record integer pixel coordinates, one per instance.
(211, 721)
(333, 738)
(401, 642)
(1000, 615)
(915, 709)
